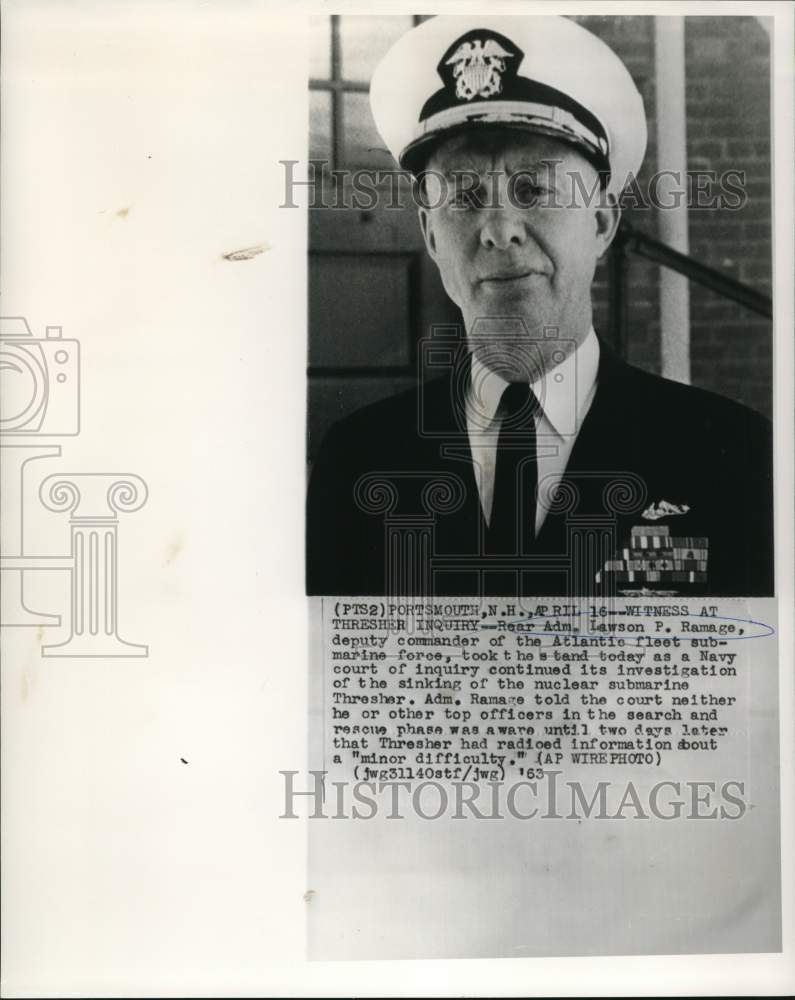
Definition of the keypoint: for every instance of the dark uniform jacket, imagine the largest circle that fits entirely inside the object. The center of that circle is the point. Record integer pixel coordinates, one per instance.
(394, 509)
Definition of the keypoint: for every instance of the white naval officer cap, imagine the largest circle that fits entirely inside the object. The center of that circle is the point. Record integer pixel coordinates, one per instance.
(537, 73)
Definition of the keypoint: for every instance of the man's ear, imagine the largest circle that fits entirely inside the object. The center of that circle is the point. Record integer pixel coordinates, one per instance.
(608, 216)
(427, 231)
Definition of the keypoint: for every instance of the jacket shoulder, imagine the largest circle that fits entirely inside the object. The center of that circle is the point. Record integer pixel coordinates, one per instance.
(685, 405)
(394, 418)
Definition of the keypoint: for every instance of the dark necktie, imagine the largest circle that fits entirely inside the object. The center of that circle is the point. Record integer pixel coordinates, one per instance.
(513, 510)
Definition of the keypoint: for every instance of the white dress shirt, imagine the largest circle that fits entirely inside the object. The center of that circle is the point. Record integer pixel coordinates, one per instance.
(565, 394)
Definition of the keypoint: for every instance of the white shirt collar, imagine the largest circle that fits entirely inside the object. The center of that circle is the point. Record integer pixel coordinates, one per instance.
(564, 391)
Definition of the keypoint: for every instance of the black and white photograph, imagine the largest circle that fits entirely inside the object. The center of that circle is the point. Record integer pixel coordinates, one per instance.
(575, 207)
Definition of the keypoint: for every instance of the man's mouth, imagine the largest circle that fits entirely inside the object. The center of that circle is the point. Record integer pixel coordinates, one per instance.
(505, 277)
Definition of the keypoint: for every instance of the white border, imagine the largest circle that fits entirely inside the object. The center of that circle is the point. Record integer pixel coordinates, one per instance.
(245, 775)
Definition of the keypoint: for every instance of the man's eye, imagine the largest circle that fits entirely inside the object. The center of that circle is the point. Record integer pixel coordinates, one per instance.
(528, 195)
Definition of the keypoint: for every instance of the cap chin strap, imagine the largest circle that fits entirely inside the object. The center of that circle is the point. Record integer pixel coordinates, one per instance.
(513, 112)
(519, 115)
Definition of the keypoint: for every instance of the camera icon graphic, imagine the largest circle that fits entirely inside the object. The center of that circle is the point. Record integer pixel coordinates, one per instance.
(39, 381)
(40, 399)
(503, 345)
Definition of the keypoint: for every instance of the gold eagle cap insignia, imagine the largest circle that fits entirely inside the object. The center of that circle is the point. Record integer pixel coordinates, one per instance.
(477, 68)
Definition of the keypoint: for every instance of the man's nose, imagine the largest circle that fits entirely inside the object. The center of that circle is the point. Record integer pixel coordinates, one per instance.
(503, 228)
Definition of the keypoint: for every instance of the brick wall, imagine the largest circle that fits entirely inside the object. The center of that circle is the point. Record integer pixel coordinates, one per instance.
(728, 113)
(632, 38)
(728, 128)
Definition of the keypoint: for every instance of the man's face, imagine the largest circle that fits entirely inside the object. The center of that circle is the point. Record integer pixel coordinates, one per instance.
(516, 228)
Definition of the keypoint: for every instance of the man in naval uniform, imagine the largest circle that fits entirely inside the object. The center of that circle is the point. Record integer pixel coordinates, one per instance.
(537, 463)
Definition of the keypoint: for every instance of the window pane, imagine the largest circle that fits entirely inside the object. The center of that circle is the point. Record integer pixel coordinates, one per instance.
(349, 296)
(362, 146)
(364, 40)
(320, 125)
(320, 48)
